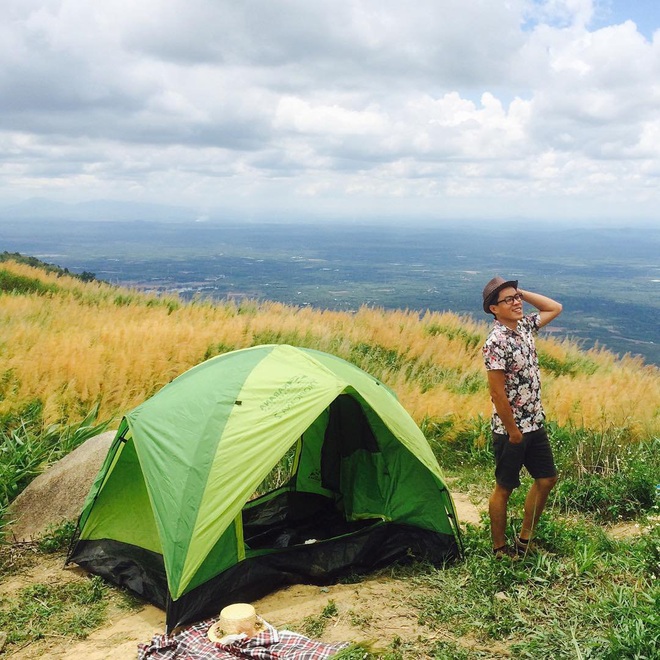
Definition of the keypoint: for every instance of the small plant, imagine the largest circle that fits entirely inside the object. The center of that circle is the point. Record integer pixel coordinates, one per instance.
(314, 626)
(635, 623)
(330, 610)
(57, 537)
(586, 559)
(355, 652)
(448, 650)
(360, 619)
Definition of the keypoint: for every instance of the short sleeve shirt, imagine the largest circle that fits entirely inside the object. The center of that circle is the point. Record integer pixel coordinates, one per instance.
(514, 352)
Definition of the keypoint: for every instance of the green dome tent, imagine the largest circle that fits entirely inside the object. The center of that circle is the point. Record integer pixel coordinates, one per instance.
(174, 514)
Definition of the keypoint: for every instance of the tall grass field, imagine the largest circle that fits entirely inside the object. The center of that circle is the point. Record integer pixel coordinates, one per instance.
(76, 354)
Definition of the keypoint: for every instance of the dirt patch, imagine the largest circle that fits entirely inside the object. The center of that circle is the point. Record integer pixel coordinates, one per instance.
(467, 510)
(38, 569)
(625, 530)
(374, 610)
(494, 649)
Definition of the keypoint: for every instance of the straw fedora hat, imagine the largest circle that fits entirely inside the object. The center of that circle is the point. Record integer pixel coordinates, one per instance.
(236, 619)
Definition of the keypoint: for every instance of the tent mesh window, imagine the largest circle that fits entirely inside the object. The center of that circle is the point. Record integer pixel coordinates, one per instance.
(280, 475)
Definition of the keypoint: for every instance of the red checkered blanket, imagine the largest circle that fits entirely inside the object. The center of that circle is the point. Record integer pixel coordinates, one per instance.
(270, 644)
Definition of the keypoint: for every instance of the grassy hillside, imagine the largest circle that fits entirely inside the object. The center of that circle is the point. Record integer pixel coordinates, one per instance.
(68, 345)
(75, 351)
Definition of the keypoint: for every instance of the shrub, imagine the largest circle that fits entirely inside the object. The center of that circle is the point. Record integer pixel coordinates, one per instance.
(19, 284)
(605, 473)
(622, 495)
(57, 537)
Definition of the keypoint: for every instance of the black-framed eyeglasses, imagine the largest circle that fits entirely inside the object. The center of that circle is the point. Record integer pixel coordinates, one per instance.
(509, 300)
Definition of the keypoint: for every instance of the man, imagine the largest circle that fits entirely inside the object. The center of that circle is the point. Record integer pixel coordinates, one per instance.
(519, 437)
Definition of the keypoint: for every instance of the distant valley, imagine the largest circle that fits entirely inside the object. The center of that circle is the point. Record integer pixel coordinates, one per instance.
(607, 279)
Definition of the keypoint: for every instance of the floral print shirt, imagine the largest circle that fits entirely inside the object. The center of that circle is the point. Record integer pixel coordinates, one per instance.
(514, 352)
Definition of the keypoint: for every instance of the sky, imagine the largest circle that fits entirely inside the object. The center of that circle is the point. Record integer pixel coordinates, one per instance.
(546, 110)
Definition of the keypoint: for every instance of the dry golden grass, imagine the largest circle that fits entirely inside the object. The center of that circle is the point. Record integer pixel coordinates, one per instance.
(91, 343)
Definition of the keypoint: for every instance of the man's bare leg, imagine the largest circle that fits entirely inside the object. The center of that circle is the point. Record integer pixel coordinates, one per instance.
(534, 505)
(497, 506)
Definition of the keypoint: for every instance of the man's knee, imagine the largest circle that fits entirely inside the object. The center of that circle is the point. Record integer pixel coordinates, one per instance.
(500, 493)
(546, 484)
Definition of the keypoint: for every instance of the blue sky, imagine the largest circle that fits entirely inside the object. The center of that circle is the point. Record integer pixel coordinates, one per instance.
(644, 13)
(374, 109)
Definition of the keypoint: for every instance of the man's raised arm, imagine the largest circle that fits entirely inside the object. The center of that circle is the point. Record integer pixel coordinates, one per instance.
(549, 309)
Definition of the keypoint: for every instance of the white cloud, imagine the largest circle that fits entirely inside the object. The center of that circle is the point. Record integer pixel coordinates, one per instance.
(301, 116)
(442, 104)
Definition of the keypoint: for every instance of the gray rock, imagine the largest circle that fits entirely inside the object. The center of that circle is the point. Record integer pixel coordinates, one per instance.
(58, 494)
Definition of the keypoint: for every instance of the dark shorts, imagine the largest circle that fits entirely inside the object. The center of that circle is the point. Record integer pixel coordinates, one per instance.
(534, 452)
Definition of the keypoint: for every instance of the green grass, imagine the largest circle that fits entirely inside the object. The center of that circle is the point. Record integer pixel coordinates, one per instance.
(11, 283)
(72, 609)
(584, 597)
(313, 626)
(375, 359)
(471, 340)
(54, 611)
(57, 538)
(571, 366)
(607, 473)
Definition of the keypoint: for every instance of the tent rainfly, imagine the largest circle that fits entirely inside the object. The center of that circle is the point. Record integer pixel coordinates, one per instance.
(187, 510)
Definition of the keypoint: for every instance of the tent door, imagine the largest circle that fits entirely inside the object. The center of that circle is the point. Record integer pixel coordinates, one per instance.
(348, 431)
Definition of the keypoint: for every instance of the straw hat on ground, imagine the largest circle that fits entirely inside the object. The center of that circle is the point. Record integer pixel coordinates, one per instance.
(236, 619)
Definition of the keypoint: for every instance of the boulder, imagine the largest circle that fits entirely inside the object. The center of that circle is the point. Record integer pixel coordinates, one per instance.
(58, 494)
